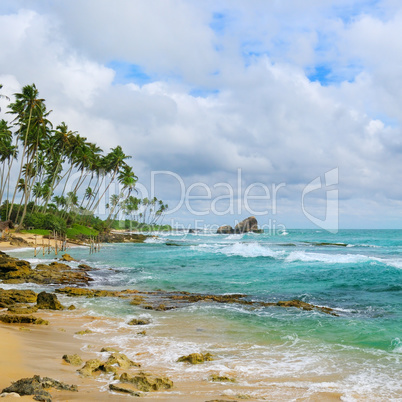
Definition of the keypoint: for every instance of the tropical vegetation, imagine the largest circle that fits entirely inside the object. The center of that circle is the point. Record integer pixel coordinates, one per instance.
(52, 177)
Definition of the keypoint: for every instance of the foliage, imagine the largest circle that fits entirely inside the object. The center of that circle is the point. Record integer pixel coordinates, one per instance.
(77, 231)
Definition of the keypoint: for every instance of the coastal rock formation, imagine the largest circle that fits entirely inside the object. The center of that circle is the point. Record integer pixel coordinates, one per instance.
(74, 360)
(146, 382)
(226, 229)
(121, 360)
(13, 270)
(73, 292)
(22, 319)
(10, 297)
(67, 258)
(37, 386)
(139, 321)
(91, 367)
(22, 310)
(249, 224)
(48, 301)
(196, 358)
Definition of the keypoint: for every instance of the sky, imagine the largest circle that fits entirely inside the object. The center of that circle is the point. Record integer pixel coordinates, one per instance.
(221, 102)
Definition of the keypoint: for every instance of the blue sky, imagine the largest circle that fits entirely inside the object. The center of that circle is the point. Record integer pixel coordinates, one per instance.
(285, 91)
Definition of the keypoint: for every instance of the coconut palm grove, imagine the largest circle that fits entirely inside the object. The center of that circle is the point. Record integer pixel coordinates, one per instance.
(53, 179)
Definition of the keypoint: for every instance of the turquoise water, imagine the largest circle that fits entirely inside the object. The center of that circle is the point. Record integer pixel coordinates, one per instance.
(357, 273)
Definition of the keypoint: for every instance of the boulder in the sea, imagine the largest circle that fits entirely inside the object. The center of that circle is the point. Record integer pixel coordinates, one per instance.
(91, 367)
(147, 382)
(121, 360)
(249, 224)
(139, 321)
(48, 301)
(67, 258)
(196, 358)
(219, 378)
(22, 319)
(84, 332)
(226, 229)
(37, 386)
(74, 360)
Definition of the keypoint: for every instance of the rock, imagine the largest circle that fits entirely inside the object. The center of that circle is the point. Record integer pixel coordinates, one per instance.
(73, 292)
(226, 229)
(137, 300)
(109, 349)
(71, 307)
(91, 367)
(306, 306)
(84, 332)
(121, 360)
(23, 310)
(67, 258)
(37, 386)
(139, 321)
(74, 360)
(146, 382)
(249, 224)
(218, 378)
(86, 267)
(142, 333)
(196, 358)
(13, 270)
(12, 296)
(48, 301)
(125, 388)
(22, 319)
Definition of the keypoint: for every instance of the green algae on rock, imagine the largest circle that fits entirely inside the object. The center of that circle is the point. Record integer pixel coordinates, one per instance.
(22, 319)
(48, 301)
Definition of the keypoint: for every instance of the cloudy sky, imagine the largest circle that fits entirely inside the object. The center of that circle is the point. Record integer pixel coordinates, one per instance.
(224, 95)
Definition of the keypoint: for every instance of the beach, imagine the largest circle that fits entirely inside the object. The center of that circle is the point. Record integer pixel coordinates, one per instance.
(222, 295)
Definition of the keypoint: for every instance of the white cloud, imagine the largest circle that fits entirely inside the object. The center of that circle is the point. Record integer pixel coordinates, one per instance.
(262, 115)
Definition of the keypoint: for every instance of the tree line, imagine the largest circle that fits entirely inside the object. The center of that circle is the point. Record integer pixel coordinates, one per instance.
(46, 157)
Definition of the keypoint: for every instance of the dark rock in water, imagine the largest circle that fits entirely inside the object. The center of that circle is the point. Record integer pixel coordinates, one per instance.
(67, 258)
(22, 319)
(37, 386)
(10, 297)
(306, 306)
(147, 382)
(249, 224)
(48, 301)
(70, 291)
(125, 388)
(91, 367)
(226, 229)
(71, 307)
(13, 270)
(139, 321)
(74, 360)
(84, 332)
(218, 378)
(196, 358)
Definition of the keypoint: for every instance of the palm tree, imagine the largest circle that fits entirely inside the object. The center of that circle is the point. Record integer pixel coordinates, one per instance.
(3, 96)
(7, 154)
(26, 103)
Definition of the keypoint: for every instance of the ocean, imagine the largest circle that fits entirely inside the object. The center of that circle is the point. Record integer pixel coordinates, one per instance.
(274, 353)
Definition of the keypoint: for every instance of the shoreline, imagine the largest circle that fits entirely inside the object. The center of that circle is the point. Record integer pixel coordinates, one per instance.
(38, 350)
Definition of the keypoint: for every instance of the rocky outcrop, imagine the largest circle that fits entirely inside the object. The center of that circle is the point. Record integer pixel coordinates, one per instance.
(147, 382)
(196, 358)
(22, 319)
(13, 270)
(74, 360)
(48, 301)
(67, 258)
(95, 366)
(10, 297)
(121, 360)
(22, 310)
(249, 224)
(124, 238)
(139, 321)
(73, 292)
(37, 386)
(226, 229)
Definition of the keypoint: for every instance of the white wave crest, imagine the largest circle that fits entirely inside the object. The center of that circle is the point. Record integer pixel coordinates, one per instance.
(326, 258)
(249, 250)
